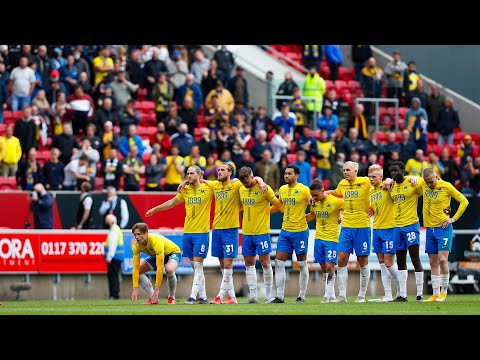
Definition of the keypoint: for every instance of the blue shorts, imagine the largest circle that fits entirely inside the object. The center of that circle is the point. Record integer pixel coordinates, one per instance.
(383, 241)
(406, 236)
(289, 241)
(195, 245)
(357, 239)
(256, 244)
(152, 260)
(325, 251)
(439, 239)
(225, 243)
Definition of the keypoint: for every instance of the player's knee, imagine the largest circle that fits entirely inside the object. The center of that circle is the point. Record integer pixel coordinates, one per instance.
(443, 262)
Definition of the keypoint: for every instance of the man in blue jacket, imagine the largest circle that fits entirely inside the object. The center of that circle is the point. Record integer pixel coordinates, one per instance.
(42, 206)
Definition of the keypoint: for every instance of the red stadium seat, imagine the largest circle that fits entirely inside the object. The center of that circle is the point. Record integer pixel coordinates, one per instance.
(8, 183)
(291, 158)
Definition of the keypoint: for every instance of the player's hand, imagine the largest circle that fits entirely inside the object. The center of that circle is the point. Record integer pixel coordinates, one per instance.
(155, 294)
(388, 184)
(413, 180)
(340, 221)
(370, 212)
(311, 201)
(135, 295)
(181, 187)
(149, 213)
(447, 210)
(447, 222)
(263, 187)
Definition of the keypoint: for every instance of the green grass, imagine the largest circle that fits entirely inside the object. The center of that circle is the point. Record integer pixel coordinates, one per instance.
(455, 305)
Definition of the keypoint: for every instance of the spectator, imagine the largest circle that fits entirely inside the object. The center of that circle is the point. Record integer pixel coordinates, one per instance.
(360, 54)
(305, 177)
(394, 72)
(177, 70)
(41, 127)
(210, 77)
(238, 86)
(199, 66)
(282, 165)
(415, 166)
(84, 82)
(81, 110)
(331, 99)
(53, 173)
(84, 219)
(42, 206)
(325, 157)
(173, 167)
(285, 119)
(447, 122)
(123, 90)
(12, 153)
(299, 108)
(162, 94)
(43, 63)
(116, 206)
(372, 146)
(356, 144)
(21, 85)
(225, 61)
(41, 102)
(93, 157)
(57, 118)
(261, 122)
(307, 143)
(336, 174)
(134, 68)
(132, 138)
(90, 134)
(312, 56)
(226, 159)
(172, 121)
(225, 139)
(451, 170)
(183, 139)
(57, 60)
(38, 81)
(154, 173)
(359, 122)
(206, 144)
(54, 88)
(111, 170)
(407, 147)
(29, 171)
(215, 116)
(239, 116)
(435, 103)
(314, 86)
(473, 169)
(411, 115)
(26, 131)
(161, 139)
(102, 65)
(129, 116)
(69, 75)
(80, 63)
(435, 164)
(388, 160)
(465, 149)
(371, 82)
(132, 168)
(280, 144)
(419, 133)
(3, 94)
(191, 89)
(188, 114)
(225, 98)
(390, 146)
(268, 170)
(195, 159)
(246, 160)
(342, 144)
(334, 57)
(419, 92)
(260, 146)
(410, 79)
(211, 170)
(108, 141)
(286, 88)
(65, 142)
(328, 121)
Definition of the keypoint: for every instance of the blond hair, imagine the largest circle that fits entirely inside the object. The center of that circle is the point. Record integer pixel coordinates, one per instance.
(374, 168)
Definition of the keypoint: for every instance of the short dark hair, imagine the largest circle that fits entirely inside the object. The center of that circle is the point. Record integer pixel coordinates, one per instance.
(316, 184)
(140, 226)
(295, 168)
(400, 164)
(244, 172)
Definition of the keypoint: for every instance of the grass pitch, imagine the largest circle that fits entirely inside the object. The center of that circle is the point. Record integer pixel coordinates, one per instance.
(455, 305)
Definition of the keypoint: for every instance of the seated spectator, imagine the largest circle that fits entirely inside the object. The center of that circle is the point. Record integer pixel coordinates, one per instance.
(81, 109)
(183, 139)
(215, 116)
(123, 90)
(162, 95)
(246, 160)
(372, 145)
(53, 171)
(355, 143)
(261, 121)
(65, 142)
(109, 140)
(280, 144)
(191, 89)
(93, 156)
(128, 117)
(307, 143)
(285, 119)
(173, 167)
(12, 153)
(359, 122)
(305, 176)
(132, 168)
(29, 171)
(325, 156)
(161, 139)
(225, 98)
(299, 108)
(260, 146)
(268, 170)
(416, 165)
(154, 173)
(105, 113)
(172, 121)
(328, 121)
(188, 114)
(447, 122)
(91, 135)
(195, 159)
(111, 170)
(132, 138)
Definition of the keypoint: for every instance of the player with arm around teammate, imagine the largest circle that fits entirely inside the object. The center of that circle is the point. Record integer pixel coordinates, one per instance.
(161, 251)
(326, 211)
(437, 194)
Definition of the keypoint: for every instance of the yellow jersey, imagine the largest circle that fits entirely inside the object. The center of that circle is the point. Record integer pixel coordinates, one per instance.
(172, 176)
(256, 209)
(355, 195)
(438, 199)
(189, 161)
(327, 213)
(295, 202)
(227, 204)
(157, 246)
(101, 61)
(197, 206)
(405, 201)
(382, 205)
(414, 167)
(325, 149)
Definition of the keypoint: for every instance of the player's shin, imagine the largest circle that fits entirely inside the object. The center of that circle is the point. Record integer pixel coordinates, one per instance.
(303, 278)
(342, 281)
(268, 280)
(280, 278)
(251, 274)
(172, 285)
(146, 284)
(386, 280)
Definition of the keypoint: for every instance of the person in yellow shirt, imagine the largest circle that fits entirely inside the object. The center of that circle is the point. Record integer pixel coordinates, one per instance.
(198, 200)
(294, 233)
(256, 232)
(381, 208)
(102, 64)
(12, 153)
(406, 233)
(327, 212)
(326, 156)
(161, 252)
(195, 158)
(173, 167)
(437, 194)
(415, 166)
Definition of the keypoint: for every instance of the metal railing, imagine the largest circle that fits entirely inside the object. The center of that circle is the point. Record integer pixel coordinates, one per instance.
(316, 114)
(377, 102)
(282, 56)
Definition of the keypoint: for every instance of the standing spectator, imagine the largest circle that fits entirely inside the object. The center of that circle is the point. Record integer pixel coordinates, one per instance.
(93, 158)
(188, 114)
(435, 103)
(53, 171)
(419, 92)
(314, 86)
(285, 119)
(447, 122)
(225, 62)
(388, 160)
(43, 63)
(41, 102)
(371, 81)
(407, 147)
(132, 138)
(183, 139)
(54, 88)
(246, 160)
(80, 63)
(415, 166)
(69, 74)
(162, 94)
(268, 170)
(190, 88)
(65, 142)
(465, 149)
(286, 88)
(372, 146)
(177, 70)
(57, 60)
(390, 146)
(328, 121)
(336, 174)
(84, 82)
(360, 54)
(280, 144)
(111, 170)
(334, 57)
(90, 134)
(206, 144)
(123, 90)
(261, 122)
(102, 65)
(114, 255)
(21, 85)
(105, 113)
(161, 139)
(325, 157)
(25, 130)
(260, 146)
(356, 144)
(238, 86)
(42, 206)
(115, 205)
(76, 173)
(195, 158)
(3, 95)
(411, 116)
(215, 116)
(172, 121)
(81, 109)
(128, 116)
(154, 173)
(132, 168)
(282, 165)
(312, 56)
(225, 98)
(152, 70)
(305, 177)
(134, 68)
(331, 99)
(410, 79)
(342, 145)
(173, 167)
(210, 77)
(394, 72)
(211, 170)
(359, 122)
(299, 108)
(307, 143)
(199, 66)
(84, 219)
(12, 153)
(419, 133)
(29, 171)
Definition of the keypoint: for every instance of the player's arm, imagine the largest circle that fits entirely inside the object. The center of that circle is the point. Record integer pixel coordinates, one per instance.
(277, 206)
(135, 276)
(309, 217)
(164, 206)
(462, 200)
(261, 184)
(333, 192)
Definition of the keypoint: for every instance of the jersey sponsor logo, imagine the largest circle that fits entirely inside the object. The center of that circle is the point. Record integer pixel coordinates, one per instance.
(248, 202)
(223, 195)
(399, 198)
(321, 214)
(431, 194)
(194, 200)
(289, 201)
(350, 194)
